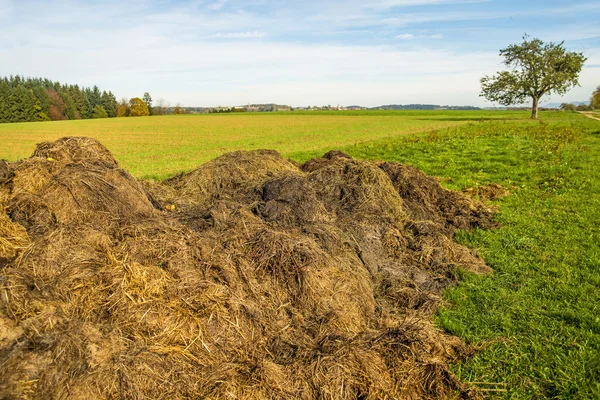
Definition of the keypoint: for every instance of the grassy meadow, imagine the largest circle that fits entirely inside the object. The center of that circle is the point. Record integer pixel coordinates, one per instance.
(158, 147)
(536, 319)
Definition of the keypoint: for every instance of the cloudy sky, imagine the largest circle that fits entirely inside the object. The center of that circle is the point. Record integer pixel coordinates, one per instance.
(311, 52)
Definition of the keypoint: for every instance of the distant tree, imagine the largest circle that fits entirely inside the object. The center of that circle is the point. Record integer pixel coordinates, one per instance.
(595, 100)
(5, 91)
(109, 103)
(138, 107)
(57, 106)
(568, 107)
(40, 92)
(178, 109)
(535, 69)
(65, 95)
(161, 107)
(148, 100)
(79, 101)
(99, 112)
(95, 97)
(17, 105)
(37, 99)
(123, 108)
(23, 106)
(583, 107)
(34, 109)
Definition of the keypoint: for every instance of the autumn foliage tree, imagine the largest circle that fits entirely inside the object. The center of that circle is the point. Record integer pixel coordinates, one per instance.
(178, 109)
(535, 68)
(123, 108)
(57, 105)
(138, 107)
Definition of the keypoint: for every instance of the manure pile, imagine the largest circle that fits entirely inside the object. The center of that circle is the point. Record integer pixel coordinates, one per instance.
(250, 277)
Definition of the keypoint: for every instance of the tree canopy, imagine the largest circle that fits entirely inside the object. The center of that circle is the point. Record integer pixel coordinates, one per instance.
(568, 107)
(148, 100)
(534, 69)
(138, 107)
(595, 100)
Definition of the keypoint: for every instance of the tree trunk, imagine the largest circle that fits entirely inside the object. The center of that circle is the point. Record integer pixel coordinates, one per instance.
(534, 108)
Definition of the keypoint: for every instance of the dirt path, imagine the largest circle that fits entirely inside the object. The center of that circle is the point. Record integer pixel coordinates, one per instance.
(589, 115)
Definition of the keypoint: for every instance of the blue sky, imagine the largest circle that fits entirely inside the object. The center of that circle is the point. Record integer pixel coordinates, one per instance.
(232, 52)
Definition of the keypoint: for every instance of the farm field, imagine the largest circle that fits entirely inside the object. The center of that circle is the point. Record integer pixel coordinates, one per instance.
(535, 320)
(158, 147)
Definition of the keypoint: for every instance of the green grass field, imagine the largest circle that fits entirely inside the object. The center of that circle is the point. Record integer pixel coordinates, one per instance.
(158, 147)
(536, 319)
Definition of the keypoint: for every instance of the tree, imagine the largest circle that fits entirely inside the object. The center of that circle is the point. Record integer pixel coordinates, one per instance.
(123, 109)
(160, 108)
(138, 107)
(148, 100)
(595, 100)
(70, 112)
(178, 109)
(57, 106)
(568, 107)
(109, 103)
(99, 112)
(38, 99)
(535, 68)
(5, 92)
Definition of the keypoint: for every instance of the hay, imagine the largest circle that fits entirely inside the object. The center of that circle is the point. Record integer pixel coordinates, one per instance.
(487, 192)
(249, 278)
(234, 175)
(75, 149)
(13, 239)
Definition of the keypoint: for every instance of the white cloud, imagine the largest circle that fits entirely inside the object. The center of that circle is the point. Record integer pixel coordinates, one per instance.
(187, 53)
(209, 73)
(252, 34)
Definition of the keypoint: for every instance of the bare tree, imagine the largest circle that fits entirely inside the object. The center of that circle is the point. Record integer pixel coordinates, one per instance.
(161, 107)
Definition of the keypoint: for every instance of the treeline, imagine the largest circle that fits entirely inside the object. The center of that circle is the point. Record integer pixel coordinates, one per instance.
(226, 110)
(579, 107)
(139, 107)
(423, 107)
(36, 99)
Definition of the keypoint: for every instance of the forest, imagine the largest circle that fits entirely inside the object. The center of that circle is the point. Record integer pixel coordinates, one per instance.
(37, 99)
